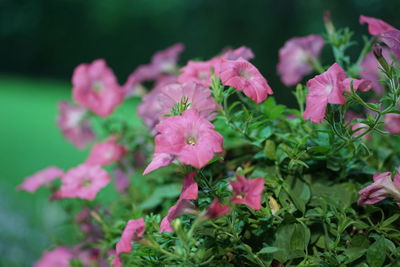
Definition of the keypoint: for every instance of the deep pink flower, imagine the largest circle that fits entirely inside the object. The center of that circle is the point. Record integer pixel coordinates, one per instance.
(106, 152)
(199, 71)
(295, 56)
(376, 26)
(73, 124)
(84, 181)
(159, 160)
(59, 257)
(241, 52)
(323, 89)
(392, 123)
(96, 88)
(216, 209)
(382, 188)
(392, 40)
(190, 138)
(189, 192)
(133, 231)
(242, 75)
(247, 191)
(41, 178)
(362, 85)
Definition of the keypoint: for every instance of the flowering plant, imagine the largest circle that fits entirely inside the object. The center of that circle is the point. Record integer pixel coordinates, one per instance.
(220, 174)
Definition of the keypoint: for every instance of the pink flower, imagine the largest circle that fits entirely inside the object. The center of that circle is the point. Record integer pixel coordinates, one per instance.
(159, 160)
(122, 181)
(242, 75)
(189, 192)
(106, 152)
(241, 52)
(84, 182)
(41, 178)
(59, 257)
(216, 210)
(96, 88)
(392, 123)
(73, 124)
(134, 230)
(382, 188)
(295, 57)
(392, 40)
(199, 71)
(190, 138)
(247, 191)
(362, 85)
(323, 89)
(376, 26)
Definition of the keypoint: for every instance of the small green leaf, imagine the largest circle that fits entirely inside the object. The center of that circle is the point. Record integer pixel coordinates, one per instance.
(376, 253)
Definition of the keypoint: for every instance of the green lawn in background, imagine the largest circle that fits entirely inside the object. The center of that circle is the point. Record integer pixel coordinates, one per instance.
(30, 141)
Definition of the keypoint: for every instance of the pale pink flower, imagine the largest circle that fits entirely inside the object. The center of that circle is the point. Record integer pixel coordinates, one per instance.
(295, 58)
(242, 75)
(362, 85)
(323, 89)
(41, 178)
(84, 182)
(247, 191)
(59, 257)
(73, 124)
(189, 137)
(376, 26)
(106, 152)
(392, 123)
(96, 88)
(216, 210)
(199, 71)
(392, 40)
(382, 188)
(133, 231)
(241, 52)
(149, 110)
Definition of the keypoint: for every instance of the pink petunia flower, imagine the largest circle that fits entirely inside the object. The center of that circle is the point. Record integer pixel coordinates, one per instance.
(59, 257)
(122, 181)
(241, 52)
(73, 124)
(242, 75)
(190, 138)
(247, 191)
(382, 188)
(84, 182)
(362, 85)
(392, 40)
(133, 231)
(96, 88)
(323, 89)
(376, 26)
(216, 210)
(295, 57)
(159, 160)
(189, 192)
(392, 123)
(41, 178)
(199, 71)
(106, 152)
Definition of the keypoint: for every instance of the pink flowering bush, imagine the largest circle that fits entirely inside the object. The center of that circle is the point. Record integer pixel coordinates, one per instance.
(219, 174)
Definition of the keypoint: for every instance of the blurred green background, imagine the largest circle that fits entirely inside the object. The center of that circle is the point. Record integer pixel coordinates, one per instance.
(43, 40)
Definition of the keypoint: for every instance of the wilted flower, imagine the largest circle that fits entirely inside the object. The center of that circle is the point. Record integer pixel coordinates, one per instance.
(323, 89)
(247, 191)
(133, 231)
(362, 85)
(295, 58)
(216, 210)
(96, 88)
(84, 181)
(189, 192)
(41, 178)
(376, 26)
(59, 257)
(392, 40)
(242, 75)
(382, 188)
(392, 123)
(199, 71)
(73, 124)
(106, 152)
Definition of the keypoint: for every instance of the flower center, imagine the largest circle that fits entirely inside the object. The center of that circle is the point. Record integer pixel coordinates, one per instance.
(86, 182)
(97, 86)
(202, 75)
(244, 74)
(191, 140)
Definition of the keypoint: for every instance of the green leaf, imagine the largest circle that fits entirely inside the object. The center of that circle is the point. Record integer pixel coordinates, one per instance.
(162, 192)
(376, 253)
(268, 250)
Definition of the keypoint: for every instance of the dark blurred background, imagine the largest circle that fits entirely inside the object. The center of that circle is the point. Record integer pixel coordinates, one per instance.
(42, 41)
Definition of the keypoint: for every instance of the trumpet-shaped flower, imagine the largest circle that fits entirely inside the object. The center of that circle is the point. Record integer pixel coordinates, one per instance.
(247, 191)
(199, 71)
(84, 182)
(323, 89)
(133, 231)
(392, 123)
(189, 137)
(392, 40)
(96, 88)
(381, 188)
(362, 85)
(189, 192)
(41, 178)
(59, 257)
(241, 52)
(243, 76)
(159, 160)
(376, 26)
(216, 210)
(73, 124)
(295, 58)
(106, 152)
